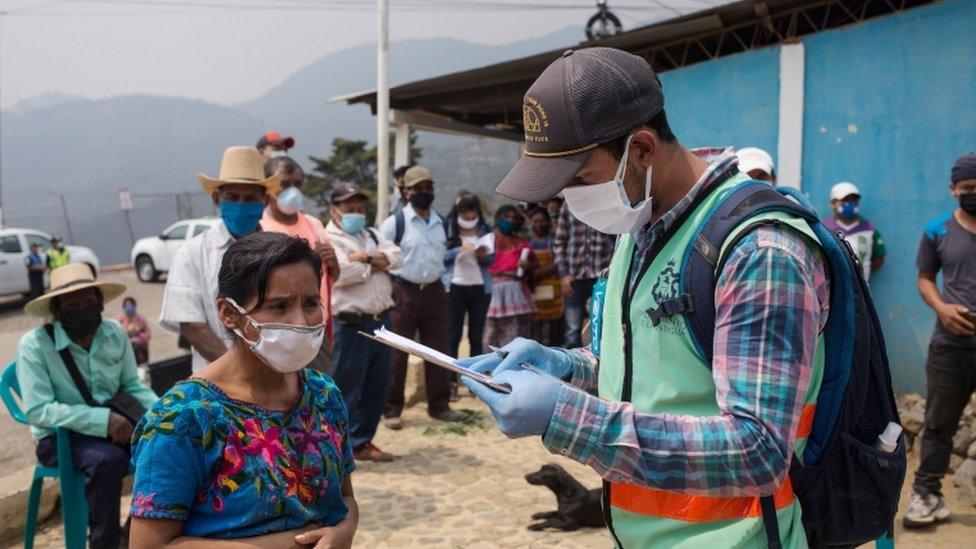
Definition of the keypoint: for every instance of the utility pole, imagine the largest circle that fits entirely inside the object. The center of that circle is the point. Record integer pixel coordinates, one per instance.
(382, 110)
(67, 220)
(125, 202)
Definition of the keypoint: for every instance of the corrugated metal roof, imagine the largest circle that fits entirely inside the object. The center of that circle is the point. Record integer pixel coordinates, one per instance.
(492, 95)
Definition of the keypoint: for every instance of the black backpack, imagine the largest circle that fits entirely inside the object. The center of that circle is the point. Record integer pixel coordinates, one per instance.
(847, 489)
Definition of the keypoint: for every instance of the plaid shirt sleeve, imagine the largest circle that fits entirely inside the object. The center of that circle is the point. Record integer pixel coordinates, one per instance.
(771, 302)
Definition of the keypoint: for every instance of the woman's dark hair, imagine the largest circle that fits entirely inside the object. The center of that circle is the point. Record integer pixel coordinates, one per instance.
(658, 123)
(130, 299)
(465, 202)
(538, 210)
(248, 263)
(506, 208)
(284, 164)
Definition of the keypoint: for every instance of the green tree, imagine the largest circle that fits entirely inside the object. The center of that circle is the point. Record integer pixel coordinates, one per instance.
(353, 161)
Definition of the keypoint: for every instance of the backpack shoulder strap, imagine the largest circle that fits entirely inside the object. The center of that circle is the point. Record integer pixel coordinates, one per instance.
(72, 367)
(372, 235)
(705, 258)
(401, 222)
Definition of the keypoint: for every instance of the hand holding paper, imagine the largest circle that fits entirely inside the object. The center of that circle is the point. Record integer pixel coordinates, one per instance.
(520, 351)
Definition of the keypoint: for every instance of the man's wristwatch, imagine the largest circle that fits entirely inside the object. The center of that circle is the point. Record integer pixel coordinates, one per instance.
(369, 259)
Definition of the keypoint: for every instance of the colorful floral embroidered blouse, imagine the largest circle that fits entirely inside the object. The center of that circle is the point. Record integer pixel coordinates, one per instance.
(231, 469)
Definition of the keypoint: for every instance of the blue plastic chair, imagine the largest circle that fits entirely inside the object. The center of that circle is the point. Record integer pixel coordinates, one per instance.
(74, 505)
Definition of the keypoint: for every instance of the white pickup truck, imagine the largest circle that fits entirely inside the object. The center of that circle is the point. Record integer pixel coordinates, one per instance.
(15, 245)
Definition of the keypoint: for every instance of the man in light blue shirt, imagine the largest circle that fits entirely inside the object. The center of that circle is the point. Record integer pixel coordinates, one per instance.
(421, 302)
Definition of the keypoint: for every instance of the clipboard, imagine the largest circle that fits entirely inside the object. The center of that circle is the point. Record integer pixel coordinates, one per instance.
(411, 347)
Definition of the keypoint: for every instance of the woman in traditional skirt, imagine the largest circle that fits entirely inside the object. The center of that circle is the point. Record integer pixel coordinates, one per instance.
(511, 307)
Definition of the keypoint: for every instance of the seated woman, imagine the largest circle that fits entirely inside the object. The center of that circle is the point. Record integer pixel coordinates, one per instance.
(253, 451)
(137, 328)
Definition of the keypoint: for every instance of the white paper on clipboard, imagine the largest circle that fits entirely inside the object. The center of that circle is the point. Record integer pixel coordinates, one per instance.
(433, 356)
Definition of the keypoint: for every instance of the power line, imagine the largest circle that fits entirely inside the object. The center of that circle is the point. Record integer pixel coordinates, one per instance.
(325, 6)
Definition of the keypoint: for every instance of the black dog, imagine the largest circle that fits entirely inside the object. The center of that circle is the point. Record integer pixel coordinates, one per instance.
(577, 506)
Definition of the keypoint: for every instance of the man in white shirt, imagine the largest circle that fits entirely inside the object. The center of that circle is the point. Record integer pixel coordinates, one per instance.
(421, 302)
(361, 301)
(189, 301)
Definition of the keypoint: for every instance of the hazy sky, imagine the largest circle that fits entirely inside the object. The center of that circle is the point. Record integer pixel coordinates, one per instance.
(100, 48)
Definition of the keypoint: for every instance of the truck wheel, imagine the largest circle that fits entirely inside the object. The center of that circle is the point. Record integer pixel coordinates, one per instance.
(145, 269)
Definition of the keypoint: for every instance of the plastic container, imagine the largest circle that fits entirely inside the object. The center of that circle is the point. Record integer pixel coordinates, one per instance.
(888, 440)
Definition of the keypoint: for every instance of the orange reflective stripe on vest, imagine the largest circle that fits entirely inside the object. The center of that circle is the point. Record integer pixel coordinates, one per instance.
(805, 427)
(678, 506)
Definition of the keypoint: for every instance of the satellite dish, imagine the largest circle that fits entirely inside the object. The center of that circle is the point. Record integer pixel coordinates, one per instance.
(603, 24)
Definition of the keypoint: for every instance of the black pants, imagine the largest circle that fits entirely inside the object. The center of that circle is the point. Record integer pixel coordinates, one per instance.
(361, 369)
(36, 279)
(473, 302)
(576, 310)
(104, 465)
(951, 373)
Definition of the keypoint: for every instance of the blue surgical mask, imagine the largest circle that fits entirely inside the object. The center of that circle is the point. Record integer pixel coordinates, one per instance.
(352, 223)
(129, 309)
(849, 210)
(506, 226)
(291, 201)
(241, 218)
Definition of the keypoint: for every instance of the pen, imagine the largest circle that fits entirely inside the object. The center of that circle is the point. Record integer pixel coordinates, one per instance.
(501, 353)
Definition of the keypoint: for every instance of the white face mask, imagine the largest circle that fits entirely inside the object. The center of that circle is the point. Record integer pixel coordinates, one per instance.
(284, 348)
(468, 224)
(291, 201)
(605, 207)
(278, 153)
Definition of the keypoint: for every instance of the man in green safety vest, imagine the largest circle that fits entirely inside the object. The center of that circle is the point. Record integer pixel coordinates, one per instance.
(57, 254)
(686, 448)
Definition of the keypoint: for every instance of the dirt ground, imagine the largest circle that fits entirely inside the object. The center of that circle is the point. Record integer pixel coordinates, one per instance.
(460, 487)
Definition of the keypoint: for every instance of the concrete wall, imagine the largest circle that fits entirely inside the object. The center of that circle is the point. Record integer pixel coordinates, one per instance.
(889, 105)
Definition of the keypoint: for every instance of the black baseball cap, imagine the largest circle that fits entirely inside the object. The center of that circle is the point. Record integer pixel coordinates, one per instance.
(964, 168)
(583, 99)
(345, 190)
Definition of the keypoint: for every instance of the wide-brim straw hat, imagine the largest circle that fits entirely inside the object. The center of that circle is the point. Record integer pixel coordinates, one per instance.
(241, 166)
(72, 278)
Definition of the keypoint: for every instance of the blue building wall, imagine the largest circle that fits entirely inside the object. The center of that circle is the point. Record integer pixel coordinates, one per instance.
(889, 105)
(733, 101)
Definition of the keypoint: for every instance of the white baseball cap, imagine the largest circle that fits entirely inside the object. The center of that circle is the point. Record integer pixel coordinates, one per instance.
(753, 158)
(843, 189)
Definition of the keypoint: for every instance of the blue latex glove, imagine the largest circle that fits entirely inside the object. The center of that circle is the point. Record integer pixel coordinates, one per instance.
(528, 409)
(551, 360)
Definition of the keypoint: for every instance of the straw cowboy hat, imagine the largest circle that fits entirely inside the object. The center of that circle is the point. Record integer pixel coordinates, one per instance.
(71, 278)
(241, 166)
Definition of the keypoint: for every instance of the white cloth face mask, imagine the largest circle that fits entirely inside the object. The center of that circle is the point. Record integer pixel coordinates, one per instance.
(285, 348)
(468, 223)
(605, 206)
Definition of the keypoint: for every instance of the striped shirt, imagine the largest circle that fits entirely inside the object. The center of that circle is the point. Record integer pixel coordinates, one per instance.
(773, 277)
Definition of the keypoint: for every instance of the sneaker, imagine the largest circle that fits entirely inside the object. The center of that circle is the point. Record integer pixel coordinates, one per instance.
(370, 452)
(449, 416)
(925, 511)
(393, 423)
